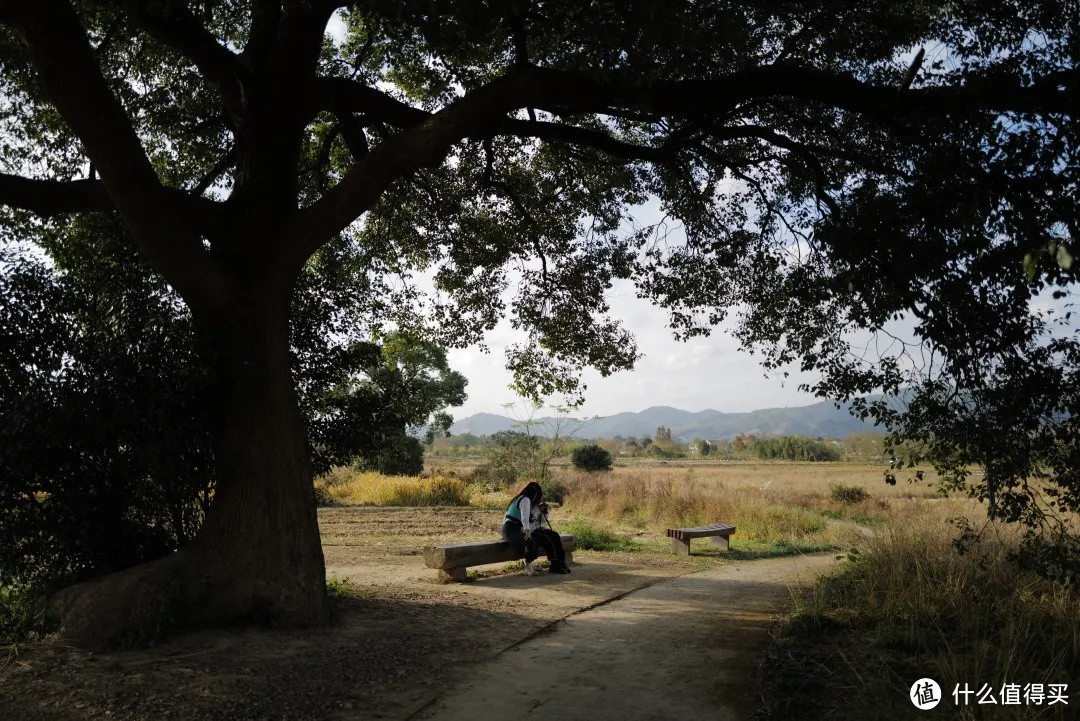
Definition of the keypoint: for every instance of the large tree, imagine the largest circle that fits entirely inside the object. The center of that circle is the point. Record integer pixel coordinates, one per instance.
(105, 452)
(798, 145)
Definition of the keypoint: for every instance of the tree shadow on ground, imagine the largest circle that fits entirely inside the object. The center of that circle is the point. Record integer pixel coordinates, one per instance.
(382, 657)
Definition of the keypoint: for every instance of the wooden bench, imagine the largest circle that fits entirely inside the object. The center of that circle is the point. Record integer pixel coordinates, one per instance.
(718, 533)
(453, 560)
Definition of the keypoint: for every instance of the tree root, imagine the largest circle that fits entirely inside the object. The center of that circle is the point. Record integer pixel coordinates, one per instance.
(186, 589)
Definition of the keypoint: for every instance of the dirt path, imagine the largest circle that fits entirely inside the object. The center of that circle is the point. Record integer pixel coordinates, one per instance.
(681, 648)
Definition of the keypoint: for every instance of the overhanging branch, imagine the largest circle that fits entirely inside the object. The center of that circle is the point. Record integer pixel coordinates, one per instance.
(482, 113)
(166, 224)
(52, 197)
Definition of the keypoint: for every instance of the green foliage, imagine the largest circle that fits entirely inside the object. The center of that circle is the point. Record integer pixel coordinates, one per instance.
(104, 446)
(861, 194)
(22, 613)
(593, 537)
(338, 588)
(848, 495)
(512, 457)
(794, 448)
(702, 447)
(401, 455)
(591, 457)
(664, 451)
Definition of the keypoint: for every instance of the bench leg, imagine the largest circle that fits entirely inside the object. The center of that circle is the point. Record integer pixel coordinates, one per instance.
(453, 575)
(721, 542)
(569, 558)
(680, 547)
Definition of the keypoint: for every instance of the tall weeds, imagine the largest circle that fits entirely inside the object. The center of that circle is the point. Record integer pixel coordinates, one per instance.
(353, 488)
(689, 498)
(908, 606)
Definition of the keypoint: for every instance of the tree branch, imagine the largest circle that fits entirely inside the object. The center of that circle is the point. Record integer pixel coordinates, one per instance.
(422, 145)
(174, 25)
(913, 69)
(574, 135)
(166, 224)
(210, 178)
(342, 96)
(53, 197)
(483, 112)
(562, 92)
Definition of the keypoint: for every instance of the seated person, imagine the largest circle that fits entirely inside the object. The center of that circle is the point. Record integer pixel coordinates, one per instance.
(523, 527)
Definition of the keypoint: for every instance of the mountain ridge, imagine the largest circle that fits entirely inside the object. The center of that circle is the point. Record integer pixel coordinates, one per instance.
(817, 419)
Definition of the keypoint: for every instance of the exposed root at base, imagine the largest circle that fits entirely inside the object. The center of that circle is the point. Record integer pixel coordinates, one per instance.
(188, 588)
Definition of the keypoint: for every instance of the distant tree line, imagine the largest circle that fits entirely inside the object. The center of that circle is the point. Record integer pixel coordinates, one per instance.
(794, 448)
(861, 447)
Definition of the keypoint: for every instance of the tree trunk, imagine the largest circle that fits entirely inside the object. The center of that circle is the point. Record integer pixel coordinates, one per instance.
(258, 556)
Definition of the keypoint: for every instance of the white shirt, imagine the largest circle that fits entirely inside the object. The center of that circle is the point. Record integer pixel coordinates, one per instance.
(530, 517)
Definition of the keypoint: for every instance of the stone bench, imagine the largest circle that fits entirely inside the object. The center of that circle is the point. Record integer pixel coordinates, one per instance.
(718, 533)
(453, 560)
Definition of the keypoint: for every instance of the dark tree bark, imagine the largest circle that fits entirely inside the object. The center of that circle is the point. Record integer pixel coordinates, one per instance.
(258, 556)
(262, 525)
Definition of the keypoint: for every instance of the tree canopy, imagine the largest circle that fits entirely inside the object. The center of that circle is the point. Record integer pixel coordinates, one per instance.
(825, 168)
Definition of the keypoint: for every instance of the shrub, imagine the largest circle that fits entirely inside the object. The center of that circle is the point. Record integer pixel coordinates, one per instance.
(489, 478)
(337, 587)
(22, 613)
(323, 497)
(848, 495)
(591, 458)
(401, 455)
(554, 491)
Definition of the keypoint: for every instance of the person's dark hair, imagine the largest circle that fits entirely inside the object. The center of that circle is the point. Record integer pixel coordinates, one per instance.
(533, 491)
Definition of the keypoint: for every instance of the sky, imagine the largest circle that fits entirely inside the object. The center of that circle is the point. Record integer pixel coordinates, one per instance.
(699, 374)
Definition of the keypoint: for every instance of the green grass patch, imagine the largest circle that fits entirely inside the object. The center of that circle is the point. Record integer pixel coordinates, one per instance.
(771, 523)
(338, 587)
(749, 549)
(861, 520)
(591, 536)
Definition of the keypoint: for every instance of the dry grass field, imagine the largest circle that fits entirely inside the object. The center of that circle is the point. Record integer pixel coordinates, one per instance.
(904, 603)
(776, 506)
